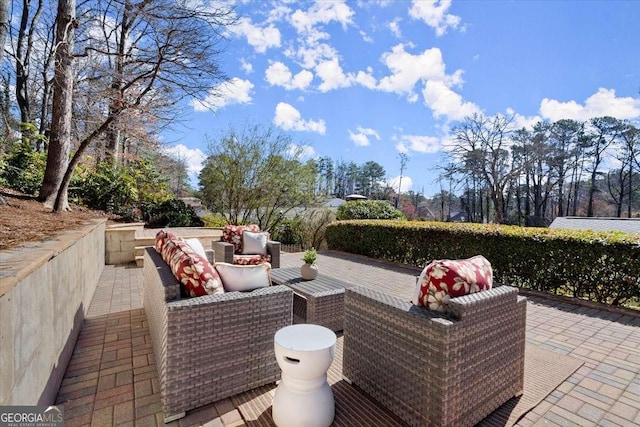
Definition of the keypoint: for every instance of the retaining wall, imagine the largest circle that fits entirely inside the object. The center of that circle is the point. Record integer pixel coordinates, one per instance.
(45, 292)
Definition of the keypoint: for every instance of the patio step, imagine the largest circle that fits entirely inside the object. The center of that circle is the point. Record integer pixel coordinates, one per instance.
(139, 259)
(147, 238)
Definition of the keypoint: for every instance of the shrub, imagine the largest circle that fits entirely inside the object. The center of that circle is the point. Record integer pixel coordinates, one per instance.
(118, 189)
(288, 231)
(3, 167)
(23, 169)
(170, 213)
(306, 230)
(601, 267)
(106, 188)
(368, 209)
(214, 220)
(313, 226)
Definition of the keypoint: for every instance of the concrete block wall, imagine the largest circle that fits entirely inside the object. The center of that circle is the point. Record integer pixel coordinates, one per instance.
(45, 292)
(121, 243)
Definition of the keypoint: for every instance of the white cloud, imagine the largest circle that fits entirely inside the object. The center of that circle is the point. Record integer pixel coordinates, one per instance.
(235, 91)
(247, 67)
(602, 103)
(433, 13)
(405, 185)
(520, 121)
(288, 118)
(302, 152)
(366, 79)
(193, 157)
(278, 74)
(367, 38)
(280, 12)
(310, 56)
(332, 76)
(394, 27)
(417, 143)
(361, 138)
(408, 69)
(310, 49)
(445, 102)
(260, 38)
(321, 12)
(427, 68)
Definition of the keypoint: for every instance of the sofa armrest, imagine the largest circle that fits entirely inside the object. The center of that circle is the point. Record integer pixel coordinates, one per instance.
(211, 256)
(273, 249)
(218, 300)
(223, 251)
(484, 304)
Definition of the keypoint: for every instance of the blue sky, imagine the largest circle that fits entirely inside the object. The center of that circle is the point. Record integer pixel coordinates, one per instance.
(367, 80)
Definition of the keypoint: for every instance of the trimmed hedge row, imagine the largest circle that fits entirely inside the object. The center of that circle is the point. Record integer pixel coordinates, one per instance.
(598, 266)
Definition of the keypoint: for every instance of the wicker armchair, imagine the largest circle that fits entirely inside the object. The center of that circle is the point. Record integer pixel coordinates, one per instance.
(432, 369)
(228, 249)
(210, 347)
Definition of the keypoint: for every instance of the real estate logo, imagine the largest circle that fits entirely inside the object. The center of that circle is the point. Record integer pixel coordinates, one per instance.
(32, 416)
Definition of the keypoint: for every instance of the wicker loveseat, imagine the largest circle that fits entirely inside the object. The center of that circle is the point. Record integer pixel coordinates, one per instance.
(214, 346)
(435, 369)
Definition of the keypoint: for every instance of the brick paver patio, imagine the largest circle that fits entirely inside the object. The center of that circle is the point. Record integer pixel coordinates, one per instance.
(112, 378)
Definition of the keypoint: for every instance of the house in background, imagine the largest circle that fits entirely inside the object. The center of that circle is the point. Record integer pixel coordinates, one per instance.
(628, 225)
(334, 203)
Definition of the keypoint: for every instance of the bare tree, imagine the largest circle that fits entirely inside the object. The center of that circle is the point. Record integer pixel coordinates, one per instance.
(403, 163)
(631, 138)
(4, 25)
(166, 52)
(627, 153)
(23, 55)
(564, 137)
(60, 141)
(482, 145)
(604, 130)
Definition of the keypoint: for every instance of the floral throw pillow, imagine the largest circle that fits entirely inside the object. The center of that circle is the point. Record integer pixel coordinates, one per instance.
(161, 238)
(444, 279)
(233, 234)
(192, 270)
(251, 259)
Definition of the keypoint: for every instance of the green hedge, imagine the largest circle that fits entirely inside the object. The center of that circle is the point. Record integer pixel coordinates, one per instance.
(368, 209)
(598, 266)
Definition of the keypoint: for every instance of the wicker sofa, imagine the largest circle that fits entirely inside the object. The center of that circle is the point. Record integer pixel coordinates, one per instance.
(210, 347)
(435, 369)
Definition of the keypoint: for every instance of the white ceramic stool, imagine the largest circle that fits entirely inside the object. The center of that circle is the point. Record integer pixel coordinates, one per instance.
(303, 397)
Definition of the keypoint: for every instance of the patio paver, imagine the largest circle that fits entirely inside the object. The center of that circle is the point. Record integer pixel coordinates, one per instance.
(112, 379)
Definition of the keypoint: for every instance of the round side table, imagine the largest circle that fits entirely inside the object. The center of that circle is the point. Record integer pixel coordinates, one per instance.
(303, 398)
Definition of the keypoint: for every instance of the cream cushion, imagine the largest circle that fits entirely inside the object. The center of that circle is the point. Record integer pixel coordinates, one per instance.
(197, 247)
(254, 243)
(244, 277)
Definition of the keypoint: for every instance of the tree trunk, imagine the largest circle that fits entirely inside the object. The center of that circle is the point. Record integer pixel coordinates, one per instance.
(4, 24)
(58, 154)
(592, 192)
(630, 189)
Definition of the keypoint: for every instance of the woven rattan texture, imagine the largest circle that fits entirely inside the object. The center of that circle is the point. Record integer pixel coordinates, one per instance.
(224, 252)
(319, 301)
(215, 346)
(432, 369)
